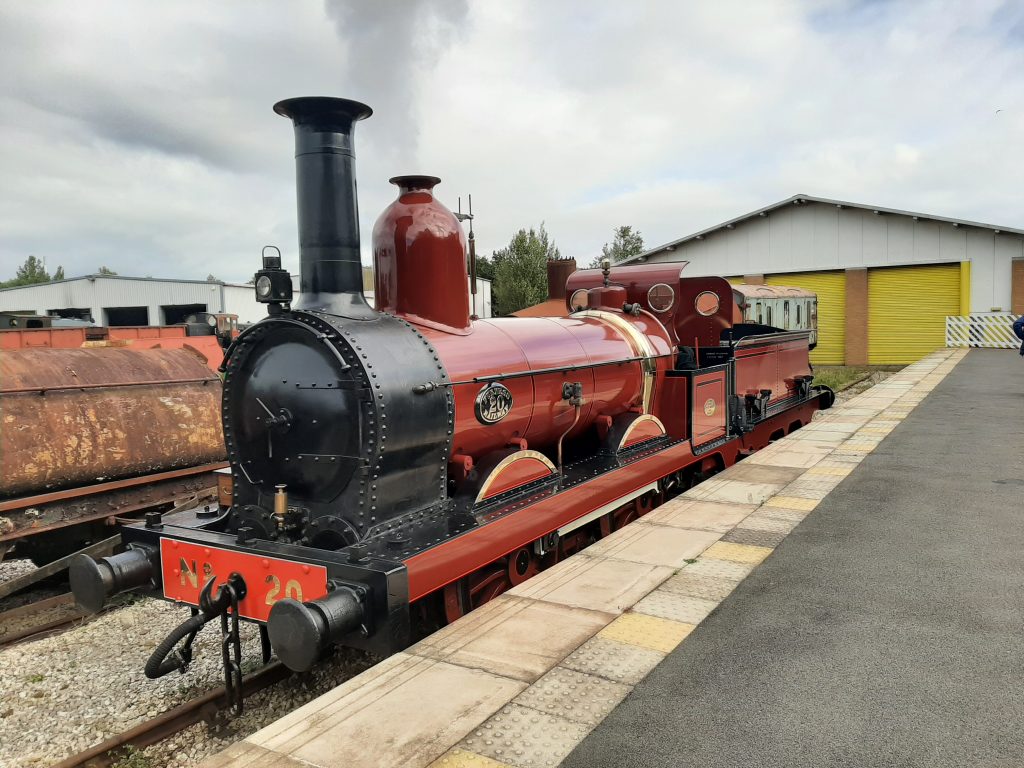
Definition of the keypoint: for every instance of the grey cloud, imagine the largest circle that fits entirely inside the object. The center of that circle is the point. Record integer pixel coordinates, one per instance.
(140, 135)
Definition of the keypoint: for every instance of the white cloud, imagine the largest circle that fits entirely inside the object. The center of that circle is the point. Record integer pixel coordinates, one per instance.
(140, 136)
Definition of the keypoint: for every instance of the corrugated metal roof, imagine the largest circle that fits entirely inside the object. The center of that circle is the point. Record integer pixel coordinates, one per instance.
(801, 199)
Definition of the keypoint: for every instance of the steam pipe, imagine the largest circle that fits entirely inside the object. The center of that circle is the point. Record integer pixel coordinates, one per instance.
(331, 271)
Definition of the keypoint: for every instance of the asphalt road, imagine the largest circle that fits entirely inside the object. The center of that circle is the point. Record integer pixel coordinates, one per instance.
(886, 630)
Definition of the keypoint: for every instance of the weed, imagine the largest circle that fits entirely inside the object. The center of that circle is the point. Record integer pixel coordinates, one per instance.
(131, 757)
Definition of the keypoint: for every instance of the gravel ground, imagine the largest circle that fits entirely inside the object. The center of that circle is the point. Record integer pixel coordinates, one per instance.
(851, 392)
(60, 695)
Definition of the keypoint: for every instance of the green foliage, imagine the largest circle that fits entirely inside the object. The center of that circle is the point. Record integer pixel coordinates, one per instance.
(485, 268)
(211, 278)
(520, 270)
(130, 756)
(59, 274)
(625, 244)
(105, 271)
(29, 273)
(36, 678)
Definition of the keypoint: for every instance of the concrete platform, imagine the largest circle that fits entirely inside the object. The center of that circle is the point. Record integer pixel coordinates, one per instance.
(887, 630)
(525, 679)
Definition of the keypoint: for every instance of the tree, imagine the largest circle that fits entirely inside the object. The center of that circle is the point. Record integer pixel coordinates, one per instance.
(520, 270)
(625, 244)
(29, 273)
(59, 274)
(485, 268)
(211, 278)
(105, 271)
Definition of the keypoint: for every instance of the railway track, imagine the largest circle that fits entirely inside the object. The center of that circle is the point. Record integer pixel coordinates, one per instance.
(40, 618)
(201, 709)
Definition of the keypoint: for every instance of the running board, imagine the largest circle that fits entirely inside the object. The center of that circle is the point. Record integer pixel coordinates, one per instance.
(611, 506)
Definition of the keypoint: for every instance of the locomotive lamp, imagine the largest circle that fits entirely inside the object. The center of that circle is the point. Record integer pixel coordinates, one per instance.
(273, 283)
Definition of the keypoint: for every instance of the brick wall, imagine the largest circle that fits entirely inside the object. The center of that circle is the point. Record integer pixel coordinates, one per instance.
(856, 317)
(1017, 286)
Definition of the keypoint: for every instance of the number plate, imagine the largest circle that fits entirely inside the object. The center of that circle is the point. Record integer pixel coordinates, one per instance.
(187, 567)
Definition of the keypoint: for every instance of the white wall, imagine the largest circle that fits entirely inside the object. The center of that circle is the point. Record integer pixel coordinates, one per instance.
(819, 236)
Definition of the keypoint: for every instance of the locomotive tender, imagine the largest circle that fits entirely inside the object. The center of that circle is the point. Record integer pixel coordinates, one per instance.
(410, 461)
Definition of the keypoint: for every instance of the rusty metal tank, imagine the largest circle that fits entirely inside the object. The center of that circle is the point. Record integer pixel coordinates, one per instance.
(72, 417)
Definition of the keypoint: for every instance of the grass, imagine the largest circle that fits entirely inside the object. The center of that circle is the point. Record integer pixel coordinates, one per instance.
(840, 376)
(36, 678)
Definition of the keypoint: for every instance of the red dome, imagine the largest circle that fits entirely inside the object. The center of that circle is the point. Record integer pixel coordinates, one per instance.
(419, 254)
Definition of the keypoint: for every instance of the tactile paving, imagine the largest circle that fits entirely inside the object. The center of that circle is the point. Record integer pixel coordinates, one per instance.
(460, 758)
(676, 607)
(708, 565)
(762, 521)
(740, 553)
(833, 471)
(792, 502)
(573, 695)
(688, 582)
(754, 537)
(647, 631)
(524, 737)
(621, 662)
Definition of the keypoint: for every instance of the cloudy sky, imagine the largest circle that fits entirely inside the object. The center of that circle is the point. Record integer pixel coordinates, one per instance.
(140, 136)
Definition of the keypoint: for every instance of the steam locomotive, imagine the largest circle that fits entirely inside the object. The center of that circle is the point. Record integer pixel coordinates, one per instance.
(410, 461)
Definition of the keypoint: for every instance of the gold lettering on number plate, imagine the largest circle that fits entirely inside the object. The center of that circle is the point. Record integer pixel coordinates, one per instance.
(709, 407)
(292, 589)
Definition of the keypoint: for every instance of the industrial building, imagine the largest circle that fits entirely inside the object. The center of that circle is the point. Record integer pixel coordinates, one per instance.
(886, 279)
(118, 301)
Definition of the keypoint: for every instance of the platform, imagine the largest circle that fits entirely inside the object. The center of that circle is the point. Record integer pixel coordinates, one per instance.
(881, 632)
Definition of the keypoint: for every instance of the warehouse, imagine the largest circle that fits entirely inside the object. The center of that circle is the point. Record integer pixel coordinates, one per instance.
(886, 279)
(118, 300)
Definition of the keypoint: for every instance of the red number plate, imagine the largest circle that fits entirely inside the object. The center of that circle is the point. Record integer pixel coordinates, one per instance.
(187, 567)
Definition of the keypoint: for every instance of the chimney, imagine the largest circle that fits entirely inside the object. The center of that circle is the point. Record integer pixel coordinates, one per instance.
(331, 273)
(558, 272)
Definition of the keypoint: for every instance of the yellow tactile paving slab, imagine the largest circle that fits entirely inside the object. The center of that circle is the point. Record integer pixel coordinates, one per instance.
(792, 502)
(591, 627)
(834, 471)
(647, 631)
(741, 553)
(460, 758)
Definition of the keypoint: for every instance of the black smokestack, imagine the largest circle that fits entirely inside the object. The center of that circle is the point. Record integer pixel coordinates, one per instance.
(331, 273)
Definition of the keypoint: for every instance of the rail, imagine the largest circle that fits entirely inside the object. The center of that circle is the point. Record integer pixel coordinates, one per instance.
(200, 709)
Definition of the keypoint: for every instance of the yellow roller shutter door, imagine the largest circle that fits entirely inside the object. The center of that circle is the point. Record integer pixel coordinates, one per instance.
(907, 308)
(831, 290)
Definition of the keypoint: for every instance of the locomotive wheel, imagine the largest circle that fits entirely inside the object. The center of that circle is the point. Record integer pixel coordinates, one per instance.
(486, 584)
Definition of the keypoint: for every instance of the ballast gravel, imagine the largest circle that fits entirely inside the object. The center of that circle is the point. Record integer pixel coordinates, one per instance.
(62, 694)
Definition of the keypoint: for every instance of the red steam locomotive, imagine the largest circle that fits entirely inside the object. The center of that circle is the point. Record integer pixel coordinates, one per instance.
(410, 461)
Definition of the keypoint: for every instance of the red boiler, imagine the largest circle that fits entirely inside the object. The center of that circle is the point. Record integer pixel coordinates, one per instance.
(520, 385)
